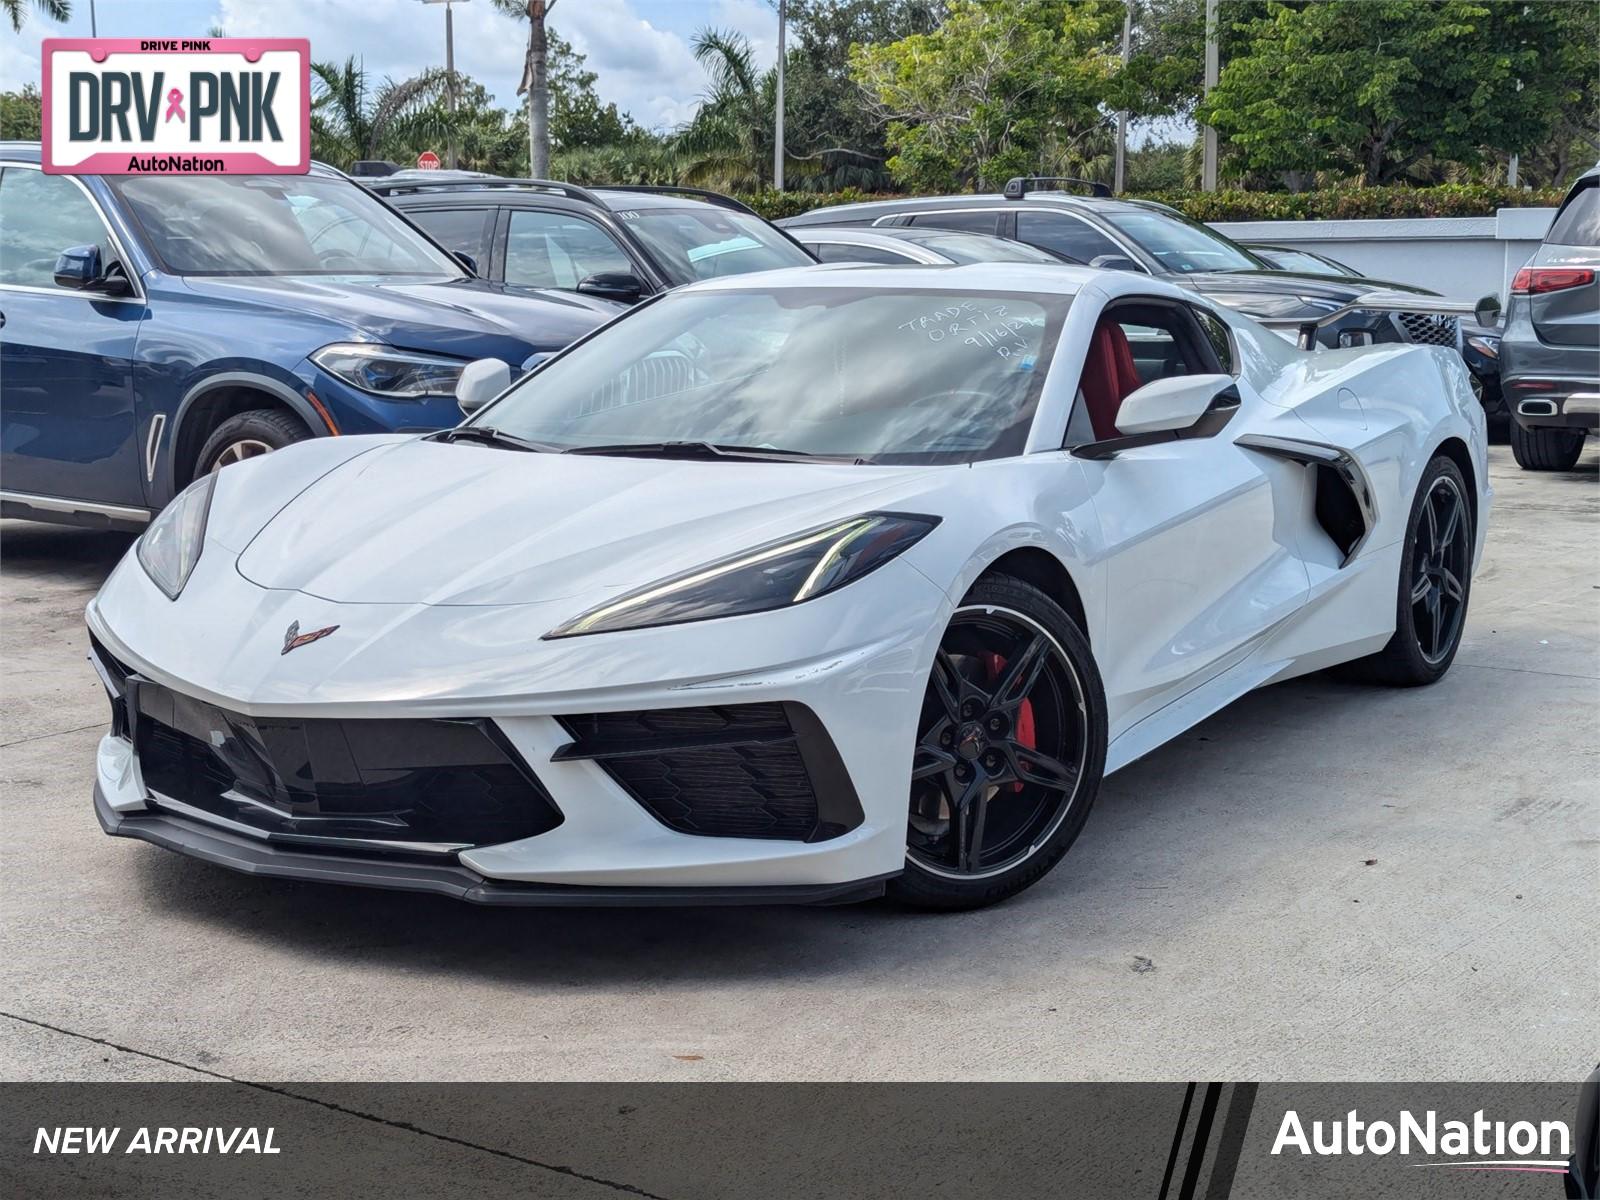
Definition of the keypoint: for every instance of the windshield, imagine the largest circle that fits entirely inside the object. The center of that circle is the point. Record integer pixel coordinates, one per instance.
(276, 225)
(1303, 262)
(1182, 245)
(901, 376)
(703, 243)
(976, 248)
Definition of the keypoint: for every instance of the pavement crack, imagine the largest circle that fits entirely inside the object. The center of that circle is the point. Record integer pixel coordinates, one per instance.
(1526, 671)
(39, 737)
(403, 1126)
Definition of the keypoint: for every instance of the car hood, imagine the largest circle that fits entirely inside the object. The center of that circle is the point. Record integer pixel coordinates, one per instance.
(427, 522)
(467, 318)
(1290, 283)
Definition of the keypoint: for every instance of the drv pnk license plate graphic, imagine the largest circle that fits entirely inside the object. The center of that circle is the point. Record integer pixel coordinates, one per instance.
(167, 106)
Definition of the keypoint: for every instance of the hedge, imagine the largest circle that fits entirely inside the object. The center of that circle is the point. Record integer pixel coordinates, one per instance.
(1446, 200)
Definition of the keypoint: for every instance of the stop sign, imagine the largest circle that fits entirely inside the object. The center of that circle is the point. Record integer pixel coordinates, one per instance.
(427, 161)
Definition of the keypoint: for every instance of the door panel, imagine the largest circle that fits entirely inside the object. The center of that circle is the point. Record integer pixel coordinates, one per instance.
(1201, 558)
(1200, 564)
(67, 426)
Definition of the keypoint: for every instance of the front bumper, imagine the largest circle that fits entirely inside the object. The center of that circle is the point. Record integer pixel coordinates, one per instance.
(857, 660)
(249, 856)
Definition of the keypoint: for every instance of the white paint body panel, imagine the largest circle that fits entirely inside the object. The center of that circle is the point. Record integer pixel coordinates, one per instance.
(1200, 566)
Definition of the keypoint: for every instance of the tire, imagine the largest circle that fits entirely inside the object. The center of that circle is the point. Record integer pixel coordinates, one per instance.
(1023, 758)
(1425, 643)
(1546, 449)
(247, 435)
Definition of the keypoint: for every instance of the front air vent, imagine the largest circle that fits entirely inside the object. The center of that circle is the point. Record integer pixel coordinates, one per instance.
(400, 785)
(766, 771)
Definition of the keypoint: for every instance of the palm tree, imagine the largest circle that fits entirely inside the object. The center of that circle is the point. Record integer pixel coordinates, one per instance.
(350, 121)
(56, 10)
(535, 78)
(729, 141)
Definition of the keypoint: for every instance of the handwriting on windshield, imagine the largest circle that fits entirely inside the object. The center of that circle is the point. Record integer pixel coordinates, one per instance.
(982, 326)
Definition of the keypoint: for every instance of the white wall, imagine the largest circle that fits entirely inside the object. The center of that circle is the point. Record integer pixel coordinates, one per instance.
(1460, 257)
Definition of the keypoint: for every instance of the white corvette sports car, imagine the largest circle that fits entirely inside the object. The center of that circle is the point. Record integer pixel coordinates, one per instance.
(798, 586)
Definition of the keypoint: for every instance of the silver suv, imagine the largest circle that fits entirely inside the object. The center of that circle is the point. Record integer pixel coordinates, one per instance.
(1550, 351)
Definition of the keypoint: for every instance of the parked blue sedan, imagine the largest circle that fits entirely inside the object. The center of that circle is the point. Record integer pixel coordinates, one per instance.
(155, 328)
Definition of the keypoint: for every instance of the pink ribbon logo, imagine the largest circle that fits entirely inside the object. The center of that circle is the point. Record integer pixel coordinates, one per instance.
(175, 106)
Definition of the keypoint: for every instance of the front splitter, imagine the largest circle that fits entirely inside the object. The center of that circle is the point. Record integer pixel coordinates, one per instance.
(250, 856)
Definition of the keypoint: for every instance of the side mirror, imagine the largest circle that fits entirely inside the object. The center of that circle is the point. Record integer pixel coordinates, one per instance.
(613, 285)
(481, 381)
(1185, 406)
(80, 269)
(1487, 311)
(1114, 262)
(466, 260)
(1168, 405)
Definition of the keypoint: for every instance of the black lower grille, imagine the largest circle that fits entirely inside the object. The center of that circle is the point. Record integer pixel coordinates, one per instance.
(744, 770)
(430, 785)
(1430, 329)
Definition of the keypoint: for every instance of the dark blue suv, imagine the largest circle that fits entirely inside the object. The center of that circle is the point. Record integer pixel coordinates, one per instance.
(154, 328)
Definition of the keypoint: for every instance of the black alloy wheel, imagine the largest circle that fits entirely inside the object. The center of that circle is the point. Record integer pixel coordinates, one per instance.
(1010, 747)
(1441, 561)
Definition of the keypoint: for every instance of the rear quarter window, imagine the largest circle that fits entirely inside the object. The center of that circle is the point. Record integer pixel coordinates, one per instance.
(1578, 222)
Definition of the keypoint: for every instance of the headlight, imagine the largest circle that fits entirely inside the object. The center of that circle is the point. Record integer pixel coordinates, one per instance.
(385, 371)
(1489, 347)
(169, 549)
(775, 575)
(1257, 304)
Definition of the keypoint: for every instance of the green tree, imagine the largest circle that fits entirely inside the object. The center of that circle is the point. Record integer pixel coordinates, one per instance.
(826, 121)
(1374, 89)
(640, 158)
(17, 11)
(729, 142)
(578, 117)
(351, 120)
(1166, 74)
(19, 114)
(1001, 88)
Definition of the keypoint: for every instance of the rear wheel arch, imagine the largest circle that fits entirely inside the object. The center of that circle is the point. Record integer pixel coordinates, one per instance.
(1036, 565)
(1456, 451)
(211, 402)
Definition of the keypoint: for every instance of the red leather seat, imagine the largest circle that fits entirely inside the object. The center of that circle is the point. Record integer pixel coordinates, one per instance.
(1108, 375)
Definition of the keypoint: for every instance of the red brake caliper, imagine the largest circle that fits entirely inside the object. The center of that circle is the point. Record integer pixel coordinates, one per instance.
(1023, 734)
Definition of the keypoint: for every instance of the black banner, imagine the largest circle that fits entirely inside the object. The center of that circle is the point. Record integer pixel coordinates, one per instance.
(1197, 1141)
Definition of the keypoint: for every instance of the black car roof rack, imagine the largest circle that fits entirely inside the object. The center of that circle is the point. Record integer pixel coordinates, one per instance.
(720, 199)
(411, 183)
(1020, 185)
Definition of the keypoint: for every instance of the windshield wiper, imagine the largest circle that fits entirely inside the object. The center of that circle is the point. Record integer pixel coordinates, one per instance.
(490, 436)
(699, 450)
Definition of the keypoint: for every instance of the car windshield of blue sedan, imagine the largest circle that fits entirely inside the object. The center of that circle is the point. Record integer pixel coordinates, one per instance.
(276, 225)
(876, 376)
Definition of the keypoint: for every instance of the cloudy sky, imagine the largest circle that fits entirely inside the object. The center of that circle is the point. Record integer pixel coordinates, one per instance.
(639, 48)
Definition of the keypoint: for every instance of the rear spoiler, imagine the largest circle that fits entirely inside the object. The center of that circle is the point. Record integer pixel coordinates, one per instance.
(1486, 311)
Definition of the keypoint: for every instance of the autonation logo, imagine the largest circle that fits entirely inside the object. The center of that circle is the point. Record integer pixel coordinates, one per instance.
(1479, 1144)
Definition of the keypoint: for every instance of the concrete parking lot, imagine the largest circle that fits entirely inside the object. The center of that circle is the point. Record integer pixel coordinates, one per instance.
(1323, 882)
